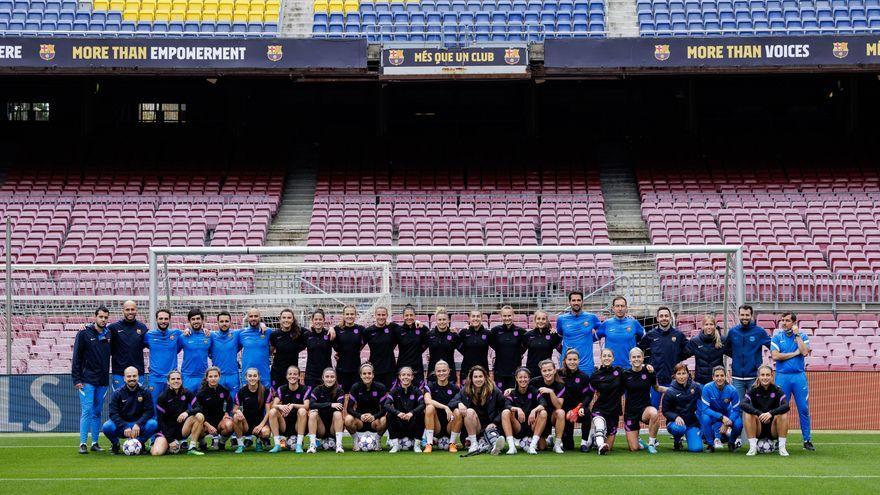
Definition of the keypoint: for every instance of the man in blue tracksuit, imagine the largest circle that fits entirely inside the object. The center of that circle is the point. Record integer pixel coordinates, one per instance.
(621, 332)
(131, 412)
(127, 344)
(788, 348)
(90, 370)
(224, 353)
(578, 331)
(195, 344)
(254, 343)
(720, 414)
(664, 347)
(163, 344)
(743, 345)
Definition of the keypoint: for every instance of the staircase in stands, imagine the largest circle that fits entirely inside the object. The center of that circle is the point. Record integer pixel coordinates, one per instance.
(626, 227)
(620, 19)
(296, 19)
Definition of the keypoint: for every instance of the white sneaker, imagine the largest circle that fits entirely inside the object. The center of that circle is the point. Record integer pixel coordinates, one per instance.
(753, 451)
(718, 445)
(311, 449)
(511, 450)
(339, 449)
(783, 452)
(473, 449)
(531, 450)
(417, 446)
(395, 448)
(557, 447)
(497, 446)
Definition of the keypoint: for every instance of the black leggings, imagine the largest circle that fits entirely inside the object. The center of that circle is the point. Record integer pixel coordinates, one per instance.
(398, 428)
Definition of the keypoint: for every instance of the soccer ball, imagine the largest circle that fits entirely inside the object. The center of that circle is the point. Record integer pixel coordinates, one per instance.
(765, 446)
(329, 444)
(131, 447)
(291, 442)
(174, 447)
(367, 442)
(406, 443)
(443, 443)
(524, 443)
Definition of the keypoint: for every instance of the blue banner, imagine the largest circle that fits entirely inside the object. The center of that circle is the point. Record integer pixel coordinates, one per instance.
(117, 53)
(711, 53)
(39, 403)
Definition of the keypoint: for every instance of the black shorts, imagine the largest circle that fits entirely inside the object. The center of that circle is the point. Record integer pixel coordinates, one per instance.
(505, 382)
(525, 430)
(364, 426)
(252, 421)
(766, 431)
(632, 419)
(172, 432)
(386, 378)
(214, 420)
(326, 417)
(346, 379)
(290, 424)
(611, 422)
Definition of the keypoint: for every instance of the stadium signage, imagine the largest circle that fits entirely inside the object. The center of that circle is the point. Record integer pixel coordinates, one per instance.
(454, 61)
(42, 403)
(709, 53)
(115, 53)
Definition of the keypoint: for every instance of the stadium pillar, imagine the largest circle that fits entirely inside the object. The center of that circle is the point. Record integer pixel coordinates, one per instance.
(740, 277)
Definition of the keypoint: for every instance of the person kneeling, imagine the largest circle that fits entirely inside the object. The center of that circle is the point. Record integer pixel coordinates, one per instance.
(766, 412)
(177, 421)
(131, 412)
(405, 408)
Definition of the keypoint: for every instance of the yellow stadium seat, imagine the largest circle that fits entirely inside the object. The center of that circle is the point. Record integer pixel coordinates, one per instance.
(225, 9)
(162, 16)
(261, 3)
(412, 1)
(210, 6)
(397, 1)
(100, 4)
(193, 16)
(178, 13)
(239, 17)
(334, 6)
(164, 5)
(241, 8)
(320, 6)
(252, 17)
(145, 16)
(132, 5)
(273, 4)
(270, 17)
(148, 8)
(117, 5)
(130, 15)
(223, 17)
(149, 5)
(230, 3)
(209, 16)
(256, 9)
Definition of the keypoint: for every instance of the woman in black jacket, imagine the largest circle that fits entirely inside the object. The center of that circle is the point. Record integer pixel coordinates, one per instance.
(707, 348)
(177, 420)
(405, 410)
(481, 403)
(765, 412)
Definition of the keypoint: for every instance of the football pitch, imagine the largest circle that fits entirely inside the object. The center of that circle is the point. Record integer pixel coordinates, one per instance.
(843, 463)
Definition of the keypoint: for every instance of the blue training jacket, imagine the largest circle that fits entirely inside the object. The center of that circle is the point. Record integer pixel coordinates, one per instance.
(743, 345)
(716, 403)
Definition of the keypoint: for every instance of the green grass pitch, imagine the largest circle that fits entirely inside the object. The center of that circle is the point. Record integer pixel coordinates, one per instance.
(843, 463)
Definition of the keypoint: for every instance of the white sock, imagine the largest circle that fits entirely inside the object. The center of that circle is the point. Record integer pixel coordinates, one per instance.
(299, 440)
(652, 440)
(312, 439)
(473, 440)
(535, 440)
(510, 442)
(453, 437)
(429, 436)
(219, 439)
(394, 442)
(354, 438)
(278, 439)
(339, 439)
(753, 443)
(782, 442)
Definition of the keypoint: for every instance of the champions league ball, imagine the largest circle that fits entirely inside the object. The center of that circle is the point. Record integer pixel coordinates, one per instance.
(131, 447)
(443, 443)
(329, 444)
(406, 443)
(367, 442)
(524, 443)
(765, 446)
(291, 442)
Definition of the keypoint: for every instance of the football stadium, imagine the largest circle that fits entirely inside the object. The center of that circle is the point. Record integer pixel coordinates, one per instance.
(424, 246)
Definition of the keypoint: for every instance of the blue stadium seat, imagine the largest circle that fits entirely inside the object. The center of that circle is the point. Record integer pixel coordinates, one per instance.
(80, 26)
(382, 8)
(38, 5)
(369, 18)
(466, 19)
(499, 17)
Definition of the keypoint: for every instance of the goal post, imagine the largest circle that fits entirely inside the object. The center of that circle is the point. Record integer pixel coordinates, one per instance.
(459, 278)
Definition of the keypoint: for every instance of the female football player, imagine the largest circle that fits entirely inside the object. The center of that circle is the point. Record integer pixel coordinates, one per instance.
(765, 410)
(540, 342)
(440, 417)
(607, 381)
(286, 344)
(720, 414)
(578, 394)
(707, 348)
(506, 340)
(480, 403)
(405, 407)
(176, 418)
(680, 404)
(474, 344)
(365, 411)
(441, 343)
(410, 339)
(251, 413)
(638, 381)
(319, 347)
(348, 344)
(325, 411)
(552, 390)
(289, 413)
(216, 404)
(525, 415)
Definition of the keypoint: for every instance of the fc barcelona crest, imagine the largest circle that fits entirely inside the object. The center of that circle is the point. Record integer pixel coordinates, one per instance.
(47, 52)
(274, 53)
(661, 52)
(511, 56)
(841, 49)
(395, 57)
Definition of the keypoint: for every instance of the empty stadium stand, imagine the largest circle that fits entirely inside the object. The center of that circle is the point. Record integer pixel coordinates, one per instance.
(756, 17)
(127, 18)
(459, 21)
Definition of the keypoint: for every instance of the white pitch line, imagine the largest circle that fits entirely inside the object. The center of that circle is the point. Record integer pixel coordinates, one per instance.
(869, 444)
(454, 477)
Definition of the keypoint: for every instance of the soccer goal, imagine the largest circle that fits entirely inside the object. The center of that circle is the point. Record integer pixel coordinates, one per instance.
(459, 278)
